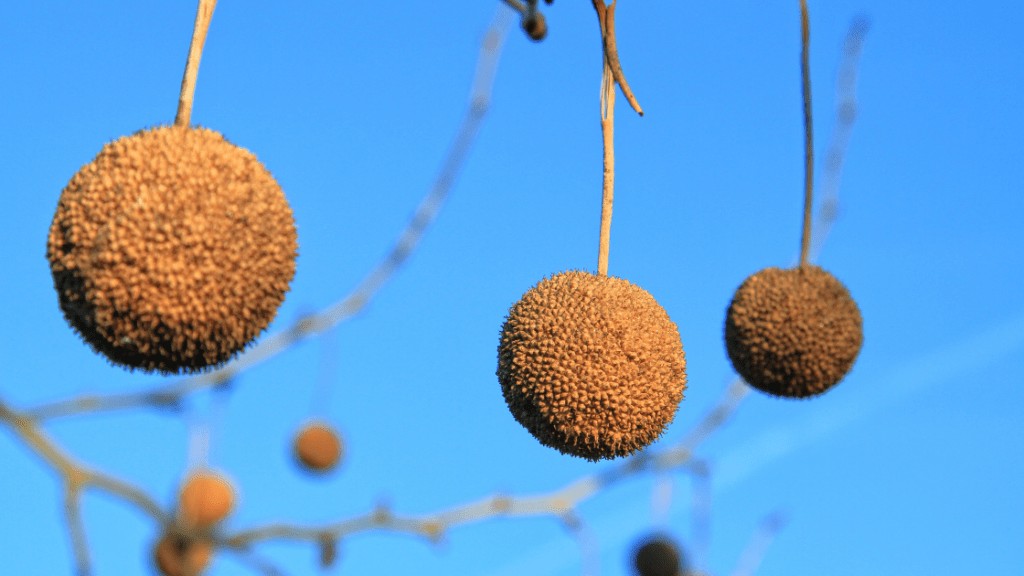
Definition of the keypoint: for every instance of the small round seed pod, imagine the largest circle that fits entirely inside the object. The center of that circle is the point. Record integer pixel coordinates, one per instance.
(535, 26)
(206, 497)
(658, 555)
(177, 555)
(172, 250)
(793, 332)
(591, 365)
(317, 447)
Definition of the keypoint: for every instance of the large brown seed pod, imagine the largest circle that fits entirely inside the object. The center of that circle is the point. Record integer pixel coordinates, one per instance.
(317, 447)
(177, 555)
(172, 250)
(793, 332)
(206, 497)
(591, 365)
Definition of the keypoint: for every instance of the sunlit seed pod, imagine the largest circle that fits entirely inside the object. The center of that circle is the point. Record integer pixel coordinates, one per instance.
(178, 555)
(206, 497)
(793, 332)
(659, 555)
(591, 365)
(535, 26)
(318, 447)
(171, 250)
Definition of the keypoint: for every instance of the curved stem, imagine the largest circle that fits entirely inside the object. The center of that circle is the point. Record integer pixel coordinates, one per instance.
(805, 74)
(195, 51)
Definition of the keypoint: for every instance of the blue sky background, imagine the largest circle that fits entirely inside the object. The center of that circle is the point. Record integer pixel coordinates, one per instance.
(910, 466)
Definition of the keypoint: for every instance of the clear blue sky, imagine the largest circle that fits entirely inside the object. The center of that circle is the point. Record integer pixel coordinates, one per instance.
(910, 466)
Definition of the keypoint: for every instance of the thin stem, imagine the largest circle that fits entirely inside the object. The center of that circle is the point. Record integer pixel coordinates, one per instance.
(604, 14)
(76, 528)
(195, 51)
(608, 187)
(805, 75)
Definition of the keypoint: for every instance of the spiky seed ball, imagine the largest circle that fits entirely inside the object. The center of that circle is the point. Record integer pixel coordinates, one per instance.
(317, 447)
(177, 555)
(658, 556)
(206, 497)
(793, 332)
(171, 250)
(591, 365)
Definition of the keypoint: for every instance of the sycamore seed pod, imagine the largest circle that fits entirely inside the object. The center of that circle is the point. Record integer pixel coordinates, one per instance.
(172, 250)
(591, 365)
(206, 498)
(658, 556)
(318, 447)
(178, 555)
(535, 26)
(793, 333)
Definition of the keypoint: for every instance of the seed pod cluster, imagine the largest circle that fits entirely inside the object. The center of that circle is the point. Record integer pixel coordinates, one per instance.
(206, 497)
(318, 447)
(591, 365)
(793, 332)
(658, 555)
(172, 250)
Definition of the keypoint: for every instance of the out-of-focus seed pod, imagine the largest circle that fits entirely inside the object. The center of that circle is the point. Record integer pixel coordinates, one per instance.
(206, 498)
(178, 555)
(318, 447)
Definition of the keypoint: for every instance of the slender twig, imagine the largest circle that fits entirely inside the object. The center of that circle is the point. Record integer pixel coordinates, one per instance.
(846, 116)
(753, 554)
(518, 6)
(805, 76)
(76, 528)
(356, 300)
(195, 52)
(701, 515)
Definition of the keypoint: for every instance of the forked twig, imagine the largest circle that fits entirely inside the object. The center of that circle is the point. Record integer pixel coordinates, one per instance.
(606, 18)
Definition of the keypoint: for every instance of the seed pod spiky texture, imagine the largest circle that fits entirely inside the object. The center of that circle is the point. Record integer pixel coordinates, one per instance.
(793, 332)
(172, 250)
(206, 497)
(318, 447)
(177, 555)
(591, 365)
(658, 556)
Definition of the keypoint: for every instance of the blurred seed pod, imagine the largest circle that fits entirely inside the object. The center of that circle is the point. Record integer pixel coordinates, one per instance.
(535, 26)
(178, 555)
(591, 365)
(659, 555)
(318, 447)
(793, 332)
(171, 250)
(206, 497)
